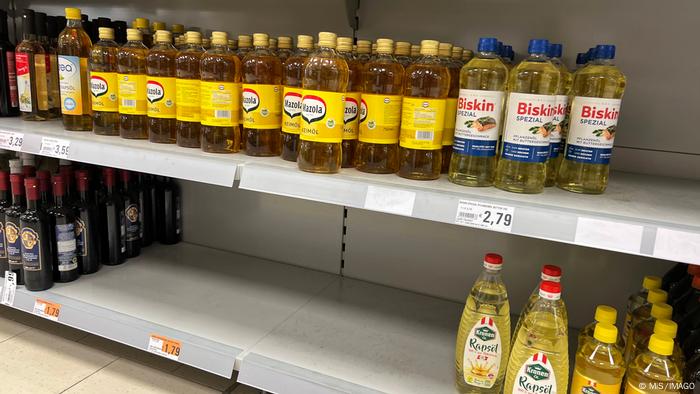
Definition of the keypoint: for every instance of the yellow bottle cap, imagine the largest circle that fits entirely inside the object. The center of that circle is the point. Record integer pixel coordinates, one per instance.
(665, 327)
(106, 33)
(656, 295)
(605, 314)
(344, 44)
(661, 345)
(273, 43)
(651, 282)
(374, 49)
(415, 50)
(73, 13)
(456, 52)
(193, 37)
(177, 28)
(261, 40)
(133, 35)
(363, 46)
(445, 49)
(305, 42)
(403, 48)
(141, 23)
(606, 333)
(163, 36)
(219, 38)
(467, 54)
(232, 43)
(327, 39)
(661, 310)
(429, 47)
(157, 26)
(284, 42)
(245, 41)
(385, 46)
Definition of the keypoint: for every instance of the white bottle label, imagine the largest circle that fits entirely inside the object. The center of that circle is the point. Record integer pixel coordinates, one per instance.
(528, 126)
(24, 82)
(482, 354)
(536, 376)
(558, 123)
(478, 121)
(592, 129)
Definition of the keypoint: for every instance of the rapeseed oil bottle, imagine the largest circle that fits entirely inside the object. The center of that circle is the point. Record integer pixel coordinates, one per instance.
(668, 329)
(351, 120)
(597, 90)
(380, 112)
(532, 86)
(638, 299)
(652, 372)
(285, 47)
(144, 26)
(426, 86)
(103, 84)
(187, 63)
(482, 85)
(549, 273)
(30, 61)
(364, 49)
(262, 99)
(292, 75)
(220, 97)
(561, 115)
(131, 67)
(445, 53)
(54, 95)
(325, 83)
(74, 47)
(160, 89)
(643, 311)
(402, 53)
(599, 365)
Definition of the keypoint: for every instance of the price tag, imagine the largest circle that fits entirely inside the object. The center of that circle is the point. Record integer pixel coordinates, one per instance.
(394, 201)
(55, 147)
(482, 215)
(8, 288)
(677, 245)
(47, 309)
(607, 234)
(11, 140)
(165, 347)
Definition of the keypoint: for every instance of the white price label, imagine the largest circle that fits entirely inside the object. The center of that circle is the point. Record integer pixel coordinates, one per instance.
(677, 245)
(11, 140)
(164, 346)
(8, 288)
(483, 215)
(47, 309)
(606, 234)
(55, 147)
(395, 201)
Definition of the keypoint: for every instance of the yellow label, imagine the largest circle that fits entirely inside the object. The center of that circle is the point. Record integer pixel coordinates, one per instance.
(132, 94)
(583, 385)
(42, 92)
(187, 99)
(262, 106)
(448, 134)
(103, 89)
(291, 110)
(351, 119)
(70, 71)
(422, 122)
(322, 115)
(380, 118)
(160, 93)
(220, 103)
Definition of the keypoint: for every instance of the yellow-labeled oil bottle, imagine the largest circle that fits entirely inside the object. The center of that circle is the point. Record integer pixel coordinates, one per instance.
(668, 329)
(325, 83)
(262, 99)
(415, 52)
(561, 116)
(144, 26)
(426, 86)
(652, 372)
(402, 53)
(532, 87)
(638, 299)
(597, 95)
(374, 50)
(351, 120)
(482, 85)
(364, 50)
(232, 45)
(74, 47)
(160, 89)
(549, 273)
(54, 95)
(380, 112)
(245, 45)
(220, 95)
(599, 365)
(643, 311)
(131, 66)
(103, 84)
(187, 63)
(30, 61)
(483, 338)
(603, 314)
(644, 328)
(292, 75)
(285, 47)
(272, 42)
(445, 54)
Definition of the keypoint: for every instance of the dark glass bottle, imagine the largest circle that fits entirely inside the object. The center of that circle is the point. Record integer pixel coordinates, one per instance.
(678, 272)
(145, 185)
(12, 226)
(113, 230)
(86, 225)
(169, 215)
(692, 374)
(156, 191)
(4, 204)
(62, 233)
(130, 197)
(65, 169)
(9, 101)
(36, 244)
(45, 200)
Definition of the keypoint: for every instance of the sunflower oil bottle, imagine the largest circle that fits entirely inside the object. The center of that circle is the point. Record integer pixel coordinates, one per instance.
(445, 54)
(160, 89)
(131, 67)
(351, 120)
(638, 299)
(482, 84)
(103, 84)
(652, 372)
(285, 47)
(364, 49)
(668, 329)
(603, 314)
(599, 365)
(550, 273)
(483, 339)
(74, 47)
(532, 87)
(643, 311)
(643, 329)
(187, 82)
(597, 92)
(325, 84)
(426, 87)
(560, 120)
(292, 75)
(30, 61)
(144, 26)
(402, 53)
(380, 112)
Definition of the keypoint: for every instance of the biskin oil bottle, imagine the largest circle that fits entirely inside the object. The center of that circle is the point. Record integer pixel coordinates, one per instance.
(160, 89)
(74, 47)
(103, 84)
(325, 82)
(597, 90)
(402, 53)
(131, 67)
(532, 87)
(445, 54)
(285, 47)
(426, 87)
(187, 63)
(30, 61)
(292, 75)
(561, 115)
(380, 112)
(351, 120)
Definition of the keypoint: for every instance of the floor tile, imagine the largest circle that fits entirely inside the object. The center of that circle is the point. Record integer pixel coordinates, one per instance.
(205, 378)
(130, 353)
(9, 328)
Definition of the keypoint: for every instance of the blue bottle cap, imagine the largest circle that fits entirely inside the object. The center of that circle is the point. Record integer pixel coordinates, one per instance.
(509, 52)
(590, 54)
(605, 52)
(555, 50)
(581, 58)
(499, 46)
(538, 47)
(487, 44)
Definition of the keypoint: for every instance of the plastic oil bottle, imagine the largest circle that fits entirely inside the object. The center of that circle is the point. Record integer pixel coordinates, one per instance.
(292, 75)
(402, 53)
(668, 329)
(245, 45)
(597, 92)
(483, 339)
(284, 50)
(144, 26)
(644, 328)
(351, 120)
(426, 87)
(30, 61)
(482, 84)
(131, 65)
(232, 45)
(103, 84)
(652, 372)
(155, 26)
(325, 83)
(457, 55)
(550, 273)
(178, 30)
(445, 54)
(187, 83)
(73, 51)
(160, 89)
(415, 52)
(561, 117)
(532, 87)
(364, 49)
(643, 312)
(603, 314)
(467, 55)
(638, 299)
(380, 113)
(599, 365)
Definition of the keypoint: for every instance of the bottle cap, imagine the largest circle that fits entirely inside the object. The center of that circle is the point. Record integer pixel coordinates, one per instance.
(445, 49)
(17, 184)
(661, 345)
(605, 314)
(364, 46)
(106, 33)
(44, 180)
(59, 185)
(15, 166)
(327, 39)
(605, 52)
(284, 42)
(344, 44)
(193, 37)
(32, 187)
(656, 295)
(606, 333)
(163, 36)
(538, 47)
(661, 310)
(493, 261)
(4, 180)
(403, 48)
(695, 283)
(429, 47)
(555, 50)
(177, 28)
(467, 54)
(305, 42)
(134, 35)
(156, 25)
(509, 52)
(28, 26)
(272, 42)
(374, 48)
(550, 290)
(73, 13)
(385, 46)
(581, 58)
(487, 44)
(221, 38)
(692, 270)
(140, 23)
(666, 328)
(456, 52)
(108, 175)
(206, 42)
(651, 282)
(261, 40)
(551, 273)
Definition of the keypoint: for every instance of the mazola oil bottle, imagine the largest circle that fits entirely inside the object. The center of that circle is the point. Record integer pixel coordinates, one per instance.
(364, 49)
(272, 43)
(131, 65)
(232, 45)
(284, 50)
(561, 114)
(160, 89)
(426, 86)
(245, 45)
(103, 84)
(178, 30)
(144, 26)
(325, 83)
(292, 75)
(30, 61)
(402, 53)
(445, 54)
(73, 51)
(187, 63)
(351, 121)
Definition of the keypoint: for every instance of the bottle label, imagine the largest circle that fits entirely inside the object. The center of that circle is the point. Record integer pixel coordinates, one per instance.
(69, 71)
(30, 250)
(160, 93)
(262, 106)
(291, 110)
(536, 376)
(527, 127)
(477, 126)
(24, 82)
(133, 231)
(351, 119)
(132, 94)
(450, 120)
(81, 237)
(14, 247)
(187, 99)
(558, 123)
(65, 247)
(53, 81)
(3, 249)
(592, 129)
(422, 123)
(322, 116)
(103, 87)
(583, 385)
(220, 103)
(12, 79)
(380, 118)
(482, 354)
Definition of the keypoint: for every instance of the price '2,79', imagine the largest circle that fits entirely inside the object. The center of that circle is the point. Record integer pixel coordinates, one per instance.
(497, 218)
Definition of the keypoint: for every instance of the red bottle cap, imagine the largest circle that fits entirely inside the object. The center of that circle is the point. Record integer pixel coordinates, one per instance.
(4, 181)
(550, 272)
(696, 282)
(550, 290)
(17, 182)
(83, 179)
(125, 175)
(693, 269)
(67, 173)
(32, 186)
(493, 261)
(59, 187)
(44, 180)
(108, 175)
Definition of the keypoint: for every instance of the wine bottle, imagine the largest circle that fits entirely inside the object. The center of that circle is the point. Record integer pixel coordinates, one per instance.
(4, 204)
(12, 226)
(145, 208)
(130, 198)
(45, 199)
(113, 231)
(170, 211)
(62, 233)
(9, 101)
(36, 248)
(65, 168)
(86, 225)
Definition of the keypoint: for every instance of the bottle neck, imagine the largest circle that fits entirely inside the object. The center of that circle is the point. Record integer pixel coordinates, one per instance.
(4, 195)
(84, 195)
(487, 55)
(17, 199)
(44, 197)
(537, 57)
(604, 62)
(75, 23)
(385, 56)
(58, 200)
(32, 204)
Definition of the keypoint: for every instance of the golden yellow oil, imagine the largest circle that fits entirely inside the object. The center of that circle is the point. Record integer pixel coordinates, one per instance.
(402, 53)
(445, 54)
(103, 59)
(351, 122)
(131, 61)
(599, 362)
(32, 90)
(160, 64)
(75, 42)
(652, 372)
(364, 49)
(284, 50)
(563, 93)
(187, 62)
(292, 75)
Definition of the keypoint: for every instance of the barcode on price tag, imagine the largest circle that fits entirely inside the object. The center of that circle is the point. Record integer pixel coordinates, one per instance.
(165, 347)
(483, 215)
(11, 140)
(47, 309)
(55, 147)
(8, 288)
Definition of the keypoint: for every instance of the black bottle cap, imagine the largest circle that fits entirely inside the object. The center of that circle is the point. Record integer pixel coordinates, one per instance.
(40, 23)
(119, 31)
(103, 22)
(84, 18)
(61, 22)
(28, 22)
(52, 26)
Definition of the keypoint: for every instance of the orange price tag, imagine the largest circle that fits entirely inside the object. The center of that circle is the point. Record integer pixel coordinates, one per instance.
(47, 309)
(164, 346)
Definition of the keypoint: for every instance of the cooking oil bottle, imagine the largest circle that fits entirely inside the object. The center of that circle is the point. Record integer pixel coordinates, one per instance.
(325, 84)
(232, 45)
(245, 45)
(160, 89)
(652, 372)
(667, 329)
(262, 99)
(144, 26)
(426, 87)
(643, 329)
(178, 30)
(380, 112)
(643, 312)
(131, 65)
(30, 61)
(402, 53)
(415, 52)
(603, 314)
(539, 360)
(599, 365)
(220, 97)
(561, 119)
(597, 92)
(187, 62)
(285, 48)
(206, 43)
(532, 86)
(467, 55)
(445, 53)
(103, 84)
(364, 49)
(155, 26)
(54, 95)
(351, 120)
(292, 75)
(482, 85)
(272, 43)
(73, 51)
(550, 273)
(483, 339)
(638, 299)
